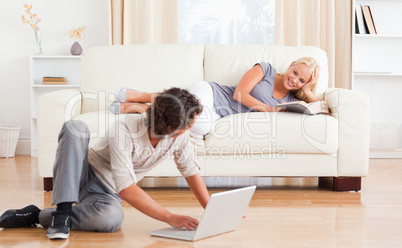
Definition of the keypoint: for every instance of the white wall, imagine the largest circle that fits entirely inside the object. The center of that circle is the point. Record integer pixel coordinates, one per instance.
(17, 43)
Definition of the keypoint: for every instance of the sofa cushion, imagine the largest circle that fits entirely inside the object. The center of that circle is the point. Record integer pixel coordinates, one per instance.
(280, 132)
(150, 68)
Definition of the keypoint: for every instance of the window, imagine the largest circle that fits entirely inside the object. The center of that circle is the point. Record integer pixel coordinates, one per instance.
(226, 21)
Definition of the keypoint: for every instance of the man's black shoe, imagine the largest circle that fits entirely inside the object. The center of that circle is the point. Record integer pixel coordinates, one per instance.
(60, 226)
(25, 217)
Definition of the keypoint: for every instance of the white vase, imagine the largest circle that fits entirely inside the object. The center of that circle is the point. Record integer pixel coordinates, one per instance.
(38, 42)
(76, 49)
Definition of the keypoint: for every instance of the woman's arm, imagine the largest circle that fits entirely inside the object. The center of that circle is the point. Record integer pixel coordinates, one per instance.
(307, 89)
(311, 97)
(242, 93)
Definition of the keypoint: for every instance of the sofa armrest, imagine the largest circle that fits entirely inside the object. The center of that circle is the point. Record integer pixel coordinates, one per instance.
(53, 110)
(352, 110)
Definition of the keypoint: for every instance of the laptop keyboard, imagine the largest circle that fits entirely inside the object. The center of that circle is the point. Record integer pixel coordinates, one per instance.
(183, 232)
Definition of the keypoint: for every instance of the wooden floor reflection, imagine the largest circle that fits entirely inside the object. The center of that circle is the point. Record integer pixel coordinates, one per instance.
(284, 212)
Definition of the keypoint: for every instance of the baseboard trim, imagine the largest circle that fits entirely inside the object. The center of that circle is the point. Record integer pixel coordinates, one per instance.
(386, 153)
(23, 146)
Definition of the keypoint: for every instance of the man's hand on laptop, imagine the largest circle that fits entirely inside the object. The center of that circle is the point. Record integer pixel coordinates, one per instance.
(182, 221)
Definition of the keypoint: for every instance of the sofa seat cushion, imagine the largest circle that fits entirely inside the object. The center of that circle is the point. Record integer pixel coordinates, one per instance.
(265, 133)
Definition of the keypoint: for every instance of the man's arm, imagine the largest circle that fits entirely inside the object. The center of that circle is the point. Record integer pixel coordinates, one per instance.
(139, 199)
(199, 189)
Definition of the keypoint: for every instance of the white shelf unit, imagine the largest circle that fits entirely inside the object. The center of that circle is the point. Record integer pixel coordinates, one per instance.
(377, 72)
(50, 66)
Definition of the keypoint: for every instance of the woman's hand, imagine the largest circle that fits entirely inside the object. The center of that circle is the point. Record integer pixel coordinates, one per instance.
(279, 109)
(314, 79)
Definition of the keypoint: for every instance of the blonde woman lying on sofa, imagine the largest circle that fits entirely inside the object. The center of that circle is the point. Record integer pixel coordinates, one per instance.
(260, 89)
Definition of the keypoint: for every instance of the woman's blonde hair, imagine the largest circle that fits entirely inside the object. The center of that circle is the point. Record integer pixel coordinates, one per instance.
(311, 64)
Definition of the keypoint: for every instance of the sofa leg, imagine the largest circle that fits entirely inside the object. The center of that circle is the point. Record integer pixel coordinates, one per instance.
(48, 183)
(325, 183)
(347, 183)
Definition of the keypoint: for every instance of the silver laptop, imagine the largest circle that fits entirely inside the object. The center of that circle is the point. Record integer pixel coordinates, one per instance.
(223, 213)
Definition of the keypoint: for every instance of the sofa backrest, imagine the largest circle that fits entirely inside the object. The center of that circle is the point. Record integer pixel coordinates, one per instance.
(149, 68)
(153, 68)
(226, 64)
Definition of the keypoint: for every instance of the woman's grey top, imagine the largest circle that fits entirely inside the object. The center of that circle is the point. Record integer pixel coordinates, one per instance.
(263, 91)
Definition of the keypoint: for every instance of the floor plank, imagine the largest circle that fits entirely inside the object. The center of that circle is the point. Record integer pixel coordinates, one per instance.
(284, 212)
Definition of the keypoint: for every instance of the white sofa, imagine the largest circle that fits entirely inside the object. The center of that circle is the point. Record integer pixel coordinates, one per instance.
(248, 145)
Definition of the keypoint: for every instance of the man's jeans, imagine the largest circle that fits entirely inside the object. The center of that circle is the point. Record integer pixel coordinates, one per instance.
(98, 208)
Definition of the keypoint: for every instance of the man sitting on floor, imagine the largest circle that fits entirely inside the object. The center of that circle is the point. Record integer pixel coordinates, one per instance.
(98, 178)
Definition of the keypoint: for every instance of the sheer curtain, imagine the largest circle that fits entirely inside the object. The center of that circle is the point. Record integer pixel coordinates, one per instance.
(202, 21)
(227, 21)
(322, 23)
(144, 21)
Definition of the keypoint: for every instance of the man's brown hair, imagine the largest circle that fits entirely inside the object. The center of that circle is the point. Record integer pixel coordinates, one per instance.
(172, 110)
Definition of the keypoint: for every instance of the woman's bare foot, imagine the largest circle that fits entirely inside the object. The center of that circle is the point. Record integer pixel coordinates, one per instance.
(128, 107)
(126, 94)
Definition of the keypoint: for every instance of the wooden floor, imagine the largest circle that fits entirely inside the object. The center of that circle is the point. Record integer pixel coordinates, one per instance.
(284, 212)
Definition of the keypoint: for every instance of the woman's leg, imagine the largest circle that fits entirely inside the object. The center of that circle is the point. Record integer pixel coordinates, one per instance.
(131, 95)
(133, 107)
(128, 107)
(131, 101)
(141, 97)
(203, 91)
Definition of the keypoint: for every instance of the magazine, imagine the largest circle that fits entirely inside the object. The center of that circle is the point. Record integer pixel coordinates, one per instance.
(318, 107)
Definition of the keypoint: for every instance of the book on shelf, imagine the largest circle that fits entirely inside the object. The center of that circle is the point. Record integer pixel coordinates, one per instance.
(361, 27)
(54, 80)
(319, 107)
(368, 17)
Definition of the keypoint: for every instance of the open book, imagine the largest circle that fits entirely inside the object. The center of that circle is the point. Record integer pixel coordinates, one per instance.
(306, 108)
